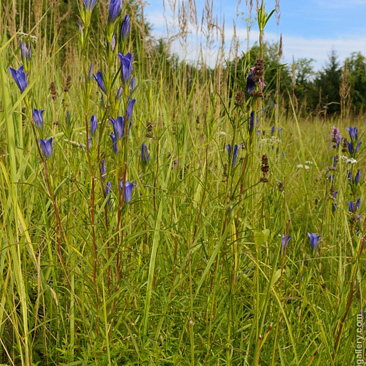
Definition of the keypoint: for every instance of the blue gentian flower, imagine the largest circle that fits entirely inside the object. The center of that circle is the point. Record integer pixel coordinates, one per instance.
(25, 53)
(46, 146)
(272, 130)
(145, 156)
(20, 78)
(114, 141)
(126, 66)
(93, 125)
(236, 149)
(103, 170)
(108, 191)
(353, 133)
(351, 149)
(130, 108)
(125, 27)
(90, 143)
(128, 190)
(133, 85)
(331, 178)
(38, 117)
(118, 126)
(313, 240)
(334, 205)
(99, 79)
(115, 9)
(251, 122)
(89, 4)
(250, 87)
(358, 176)
(285, 240)
(354, 207)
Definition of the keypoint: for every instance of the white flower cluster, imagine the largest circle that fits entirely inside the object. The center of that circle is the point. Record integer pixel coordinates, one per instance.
(348, 160)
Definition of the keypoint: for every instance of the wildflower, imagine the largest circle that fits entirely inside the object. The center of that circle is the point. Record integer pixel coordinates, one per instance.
(145, 156)
(114, 141)
(239, 98)
(89, 4)
(20, 78)
(353, 133)
(250, 87)
(115, 8)
(90, 143)
(336, 136)
(46, 146)
(133, 85)
(235, 155)
(331, 178)
(351, 148)
(125, 27)
(130, 108)
(103, 170)
(313, 240)
(108, 191)
(334, 205)
(93, 125)
(25, 53)
(119, 93)
(118, 126)
(357, 177)
(38, 117)
(113, 42)
(354, 207)
(128, 190)
(285, 240)
(272, 130)
(126, 66)
(251, 122)
(99, 79)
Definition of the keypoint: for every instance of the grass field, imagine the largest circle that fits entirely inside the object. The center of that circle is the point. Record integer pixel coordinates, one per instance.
(190, 264)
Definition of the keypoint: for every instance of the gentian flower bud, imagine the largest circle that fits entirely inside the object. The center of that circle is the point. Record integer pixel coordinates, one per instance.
(93, 125)
(89, 4)
(314, 239)
(90, 73)
(133, 85)
(358, 176)
(236, 149)
(251, 122)
(114, 141)
(90, 143)
(118, 126)
(99, 79)
(113, 42)
(145, 156)
(46, 146)
(285, 240)
(119, 93)
(128, 190)
(126, 66)
(115, 9)
(103, 170)
(25, 53)
(125, 27)
(334, 205)
(20, 78)
(130, 108)
(38, 117)
(108, 191)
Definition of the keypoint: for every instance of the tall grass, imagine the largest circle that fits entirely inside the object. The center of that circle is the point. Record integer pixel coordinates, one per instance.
(192, 270)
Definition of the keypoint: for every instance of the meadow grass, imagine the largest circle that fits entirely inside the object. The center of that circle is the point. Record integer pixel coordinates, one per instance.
(192, 270)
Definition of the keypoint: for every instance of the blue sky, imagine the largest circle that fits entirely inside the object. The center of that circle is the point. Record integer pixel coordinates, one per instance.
(310, 28)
